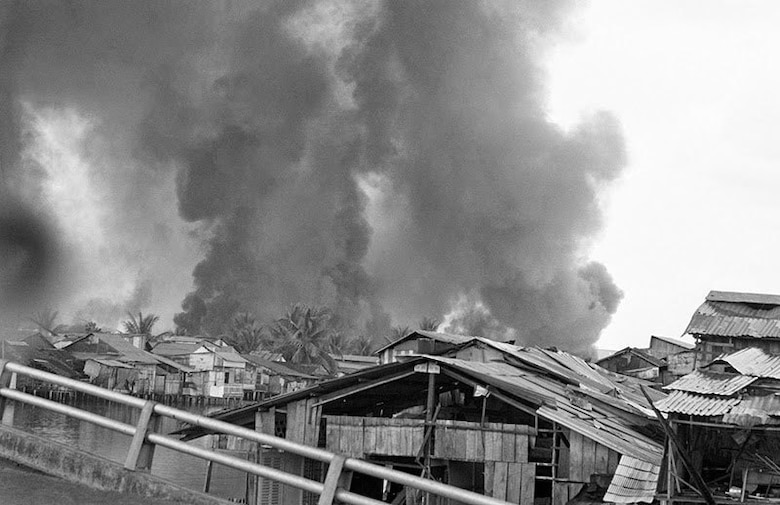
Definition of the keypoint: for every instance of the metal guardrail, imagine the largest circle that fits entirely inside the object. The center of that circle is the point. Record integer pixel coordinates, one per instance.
(141, 450)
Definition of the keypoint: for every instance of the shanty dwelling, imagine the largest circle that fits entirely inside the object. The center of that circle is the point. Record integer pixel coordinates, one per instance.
(37, 352)
(420, 342)
(729, 321)
(274, 378)
(533, 427)
(634, 362)
(661, 347)
(218, 372)
(725, 426)
(107, 357)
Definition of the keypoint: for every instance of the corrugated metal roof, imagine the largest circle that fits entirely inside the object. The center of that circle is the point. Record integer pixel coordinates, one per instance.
(681, 402)
(754, 362)
(733, 326)
(634, 481)
(175, 348)
(711, 383)
(607, 429)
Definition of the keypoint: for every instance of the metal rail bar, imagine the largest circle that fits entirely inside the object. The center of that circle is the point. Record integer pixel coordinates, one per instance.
(349, 464)
(67, 410)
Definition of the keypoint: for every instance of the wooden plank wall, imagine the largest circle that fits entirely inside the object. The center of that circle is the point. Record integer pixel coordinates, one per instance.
(587, 457)
(512, 482)
(357, 436)
(466, 441)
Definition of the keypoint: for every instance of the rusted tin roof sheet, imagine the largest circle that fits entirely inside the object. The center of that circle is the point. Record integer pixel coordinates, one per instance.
(711, 383)
(754, 362)
(634, 481)
(681, 402)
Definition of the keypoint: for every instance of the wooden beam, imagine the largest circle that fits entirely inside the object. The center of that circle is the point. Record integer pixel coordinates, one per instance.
(343, 393)
(504, 398)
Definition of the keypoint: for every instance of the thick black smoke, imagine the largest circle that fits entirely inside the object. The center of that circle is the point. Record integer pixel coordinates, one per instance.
(390, 160)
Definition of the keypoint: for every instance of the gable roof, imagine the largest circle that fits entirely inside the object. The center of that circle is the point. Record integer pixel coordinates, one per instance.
(673, 341)
(446, 338)
(639, 353)
(729, 314)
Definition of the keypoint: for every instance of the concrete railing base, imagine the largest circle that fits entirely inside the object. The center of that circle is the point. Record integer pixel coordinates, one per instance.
(93, 471)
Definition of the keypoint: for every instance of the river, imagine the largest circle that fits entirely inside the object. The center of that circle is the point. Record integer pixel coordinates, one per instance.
(185, 470)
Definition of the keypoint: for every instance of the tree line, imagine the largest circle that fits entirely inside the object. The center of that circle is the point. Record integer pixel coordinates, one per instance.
(305, 334)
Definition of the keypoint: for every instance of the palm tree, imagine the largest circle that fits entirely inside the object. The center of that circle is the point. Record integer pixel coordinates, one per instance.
(302, 336)
(246, 334)
(92, 327)
(397, 333)
(429, 323)
(362, 345)
(141, 326)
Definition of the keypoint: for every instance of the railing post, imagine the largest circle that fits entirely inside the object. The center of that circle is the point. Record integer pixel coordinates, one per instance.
(7, 380)
(335, 479)
(141, 452)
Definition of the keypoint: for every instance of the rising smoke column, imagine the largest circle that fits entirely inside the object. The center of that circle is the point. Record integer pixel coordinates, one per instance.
(497, 201)
(390, 160)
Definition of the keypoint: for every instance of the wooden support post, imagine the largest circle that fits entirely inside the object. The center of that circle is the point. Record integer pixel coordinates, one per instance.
(207, 484)
(335, 479)
(141, 452)
(698, 481)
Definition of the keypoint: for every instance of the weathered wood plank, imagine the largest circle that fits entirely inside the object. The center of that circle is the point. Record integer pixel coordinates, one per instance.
(614, 459)
(490, 470)
(514, 477)
(575, 456)
(521, 447)
(602, 459)
(528, 481)
(500, 480)
(508, 447)
(588, 458)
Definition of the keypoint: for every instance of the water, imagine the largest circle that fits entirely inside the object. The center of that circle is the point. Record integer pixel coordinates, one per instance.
(182, 469)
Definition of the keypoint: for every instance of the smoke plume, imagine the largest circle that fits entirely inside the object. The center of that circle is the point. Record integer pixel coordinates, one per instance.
(391, 160)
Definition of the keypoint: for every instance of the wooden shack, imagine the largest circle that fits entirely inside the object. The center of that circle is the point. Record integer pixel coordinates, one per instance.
(531, 428)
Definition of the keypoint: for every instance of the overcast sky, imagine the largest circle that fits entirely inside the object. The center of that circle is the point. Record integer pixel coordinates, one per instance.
(695, 86)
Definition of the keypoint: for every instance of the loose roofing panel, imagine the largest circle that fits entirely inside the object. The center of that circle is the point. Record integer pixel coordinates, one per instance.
(604, 427)
(635, 480)
(754, 362)
(681, 402)
(711, 383)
